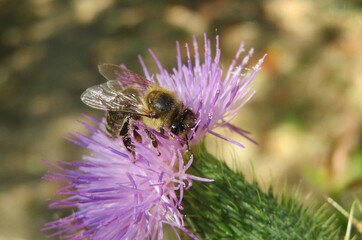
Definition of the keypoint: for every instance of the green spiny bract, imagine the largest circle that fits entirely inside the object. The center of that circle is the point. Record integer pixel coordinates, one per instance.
(232, 208)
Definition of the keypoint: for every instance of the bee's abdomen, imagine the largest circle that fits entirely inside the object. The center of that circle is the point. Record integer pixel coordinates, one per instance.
(114, 123)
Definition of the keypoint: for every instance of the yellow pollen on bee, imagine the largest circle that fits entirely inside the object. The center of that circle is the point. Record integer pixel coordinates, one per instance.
(153, 123)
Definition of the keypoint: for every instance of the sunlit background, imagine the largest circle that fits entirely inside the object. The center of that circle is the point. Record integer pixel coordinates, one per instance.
(306, 115)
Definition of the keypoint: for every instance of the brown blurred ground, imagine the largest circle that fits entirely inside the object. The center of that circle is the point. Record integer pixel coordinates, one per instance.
(306, 115)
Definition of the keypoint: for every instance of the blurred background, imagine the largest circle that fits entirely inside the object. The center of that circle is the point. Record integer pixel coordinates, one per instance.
(306, 115)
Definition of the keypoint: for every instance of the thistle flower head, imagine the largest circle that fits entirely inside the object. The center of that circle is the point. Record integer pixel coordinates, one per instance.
(118, 195)
(215, 95)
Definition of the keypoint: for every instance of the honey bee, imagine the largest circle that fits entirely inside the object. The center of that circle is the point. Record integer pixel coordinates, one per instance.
(127, 97)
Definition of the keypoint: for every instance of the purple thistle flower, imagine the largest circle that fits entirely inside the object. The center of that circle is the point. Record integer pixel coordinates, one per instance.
(214, 96)
(118, 197)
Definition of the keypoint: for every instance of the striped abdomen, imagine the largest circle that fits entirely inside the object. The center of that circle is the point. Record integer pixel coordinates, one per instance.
(117, 123)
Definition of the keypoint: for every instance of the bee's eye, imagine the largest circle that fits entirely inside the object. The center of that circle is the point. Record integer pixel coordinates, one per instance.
(174, 129)
(183, 122)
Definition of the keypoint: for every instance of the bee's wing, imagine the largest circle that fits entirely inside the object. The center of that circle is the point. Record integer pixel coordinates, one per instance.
(100, 97)
(109, 97)
(123, 75)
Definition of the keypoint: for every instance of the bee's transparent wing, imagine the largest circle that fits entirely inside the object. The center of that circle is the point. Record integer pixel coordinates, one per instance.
(123, 75)
(100, 97)
(109, 97)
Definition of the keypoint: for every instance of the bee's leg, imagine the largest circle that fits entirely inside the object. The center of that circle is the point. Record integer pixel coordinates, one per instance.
(124, 131)
(153, 140)
(162, 131)
(136, 135)
(127, 141)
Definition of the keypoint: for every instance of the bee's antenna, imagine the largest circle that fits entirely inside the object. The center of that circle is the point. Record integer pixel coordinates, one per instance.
(187, 143)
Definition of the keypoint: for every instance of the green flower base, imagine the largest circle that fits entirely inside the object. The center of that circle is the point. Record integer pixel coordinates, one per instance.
(232, 208)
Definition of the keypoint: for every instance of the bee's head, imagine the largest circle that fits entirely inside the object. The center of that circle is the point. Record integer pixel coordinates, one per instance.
(183, 123)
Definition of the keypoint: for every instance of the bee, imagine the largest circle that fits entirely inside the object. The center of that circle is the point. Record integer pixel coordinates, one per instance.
(128, 97)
